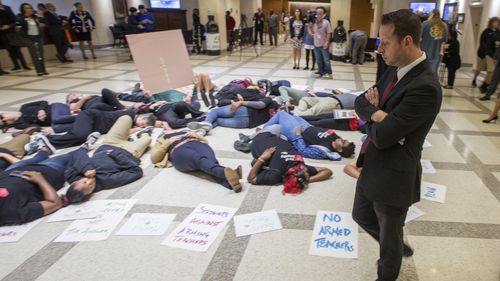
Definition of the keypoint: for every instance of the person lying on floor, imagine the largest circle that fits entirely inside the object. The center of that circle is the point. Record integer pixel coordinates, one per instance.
(37, 114)
(114, 164)
(202, 84)
(327, 121)
(240, 114)
(276, 161)
(189, 152)
(93, 120)
(28, 189)
(107, 101)
(231, 93)
(310, 141)
(12, 151)
(174, 114)
(318, 103)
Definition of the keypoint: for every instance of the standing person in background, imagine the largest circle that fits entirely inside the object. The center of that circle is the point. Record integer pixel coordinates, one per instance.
(230, 25)
(30, 26)
(309, 40)
(273, 25)
(83, 24)
(321, 31)
(198, 32)
(486, 51)
(494, 82)
(133, 26)
(358, 46)
(258, 23)
(452, 58)
(433, 37)
(285, 21)
(55, 25)
(10, 38)
(145, 18)
(297, 33)
(40, 10)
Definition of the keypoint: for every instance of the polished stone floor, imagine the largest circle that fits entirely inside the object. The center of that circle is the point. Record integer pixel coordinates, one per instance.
(455, 241)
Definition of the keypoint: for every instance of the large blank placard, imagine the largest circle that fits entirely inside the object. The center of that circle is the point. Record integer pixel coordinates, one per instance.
(161, 59)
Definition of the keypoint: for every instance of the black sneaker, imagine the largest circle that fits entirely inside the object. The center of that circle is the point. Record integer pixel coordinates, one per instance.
(244, 138)
(474, 84)
(407, 250)
(483, 88)
(137, 135)
(242, 146)
(485, 97)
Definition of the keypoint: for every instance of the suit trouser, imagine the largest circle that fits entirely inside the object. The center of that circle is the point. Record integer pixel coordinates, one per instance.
(198, 156)
(385, 224)
(16, 145)
(39, 157)
(273, 33)
(175, 116)
(82, 127)
(358, 49)
(259, 30)
(35, 47)
(316, 106)
(119, 133)
(58, 37)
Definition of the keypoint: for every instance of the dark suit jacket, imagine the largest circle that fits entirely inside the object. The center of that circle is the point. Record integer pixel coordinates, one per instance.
(392, 172)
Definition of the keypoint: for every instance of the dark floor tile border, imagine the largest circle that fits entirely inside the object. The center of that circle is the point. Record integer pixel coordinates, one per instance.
(454, 229)
(40, 262)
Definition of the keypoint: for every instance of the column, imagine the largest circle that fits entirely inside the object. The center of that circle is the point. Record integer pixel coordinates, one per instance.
(102, 12)
(216, 9)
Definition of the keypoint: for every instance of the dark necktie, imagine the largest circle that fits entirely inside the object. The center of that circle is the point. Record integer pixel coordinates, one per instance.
(385, 95)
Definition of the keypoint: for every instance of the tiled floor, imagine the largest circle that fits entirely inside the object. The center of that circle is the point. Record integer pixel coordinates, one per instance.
(458, 240)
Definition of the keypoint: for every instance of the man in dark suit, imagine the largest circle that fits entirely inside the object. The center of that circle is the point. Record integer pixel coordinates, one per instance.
(55, 27)
(400, 111)
(258, 21)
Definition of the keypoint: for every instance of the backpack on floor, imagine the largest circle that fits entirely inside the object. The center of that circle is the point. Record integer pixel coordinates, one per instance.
(276, 84)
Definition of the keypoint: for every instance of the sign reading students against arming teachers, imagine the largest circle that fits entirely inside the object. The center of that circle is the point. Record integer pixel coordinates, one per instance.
(335, 234)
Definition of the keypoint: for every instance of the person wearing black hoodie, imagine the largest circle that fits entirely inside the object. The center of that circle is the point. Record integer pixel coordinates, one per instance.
(452, 58)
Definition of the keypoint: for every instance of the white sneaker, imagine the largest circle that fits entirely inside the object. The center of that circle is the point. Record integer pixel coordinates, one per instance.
(200, 125)
(91, 140)
(44, 144)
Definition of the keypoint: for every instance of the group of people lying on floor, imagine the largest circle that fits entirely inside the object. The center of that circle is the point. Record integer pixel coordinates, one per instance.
(29, 187)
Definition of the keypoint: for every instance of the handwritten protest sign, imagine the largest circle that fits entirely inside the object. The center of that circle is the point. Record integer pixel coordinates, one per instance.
(200, 229)
(15, 232)
(344, 114)
(413, 213)
(86, 210)
(146, 224)
(335, 234)
(256, 223)
(427, 167)
(433, 192)
(102, 226)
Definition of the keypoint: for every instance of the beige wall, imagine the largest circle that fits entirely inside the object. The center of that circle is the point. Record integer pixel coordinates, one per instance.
(216, 8)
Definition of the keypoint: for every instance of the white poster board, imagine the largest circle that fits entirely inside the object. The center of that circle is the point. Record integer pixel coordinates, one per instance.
(102, 226)
(146, 224)
(85, 210)
(433, 192)
(14, 233)
(335, 234)
(413, 213)
(200, 229)
(258, 222)
(427, 167)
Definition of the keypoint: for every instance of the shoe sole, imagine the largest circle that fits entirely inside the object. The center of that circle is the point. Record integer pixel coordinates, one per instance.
(233, 178)
(196, 126)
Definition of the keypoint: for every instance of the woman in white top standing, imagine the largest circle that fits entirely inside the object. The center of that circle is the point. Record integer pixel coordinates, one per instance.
(30, 26)
(83, 24)
(296, 32)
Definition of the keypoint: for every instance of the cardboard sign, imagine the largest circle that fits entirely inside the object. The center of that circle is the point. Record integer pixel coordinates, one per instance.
(102, 226)
(14, 233)
(161, 59)
(433, 192)
(146, 224)
(335, 234)
(85, 210)
(256, 223)
(413, 213)
(200, 229)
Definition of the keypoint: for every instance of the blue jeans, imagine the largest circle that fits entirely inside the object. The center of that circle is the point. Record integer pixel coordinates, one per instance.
(59, 163)
(39, 157)
(323, 60)
(62, 120)
(288, 124)
(222, 116)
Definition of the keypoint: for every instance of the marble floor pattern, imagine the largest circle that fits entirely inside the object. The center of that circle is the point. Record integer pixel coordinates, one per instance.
(455, 241)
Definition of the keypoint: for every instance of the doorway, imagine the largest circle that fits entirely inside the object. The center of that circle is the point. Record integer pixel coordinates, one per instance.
(476, 12)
